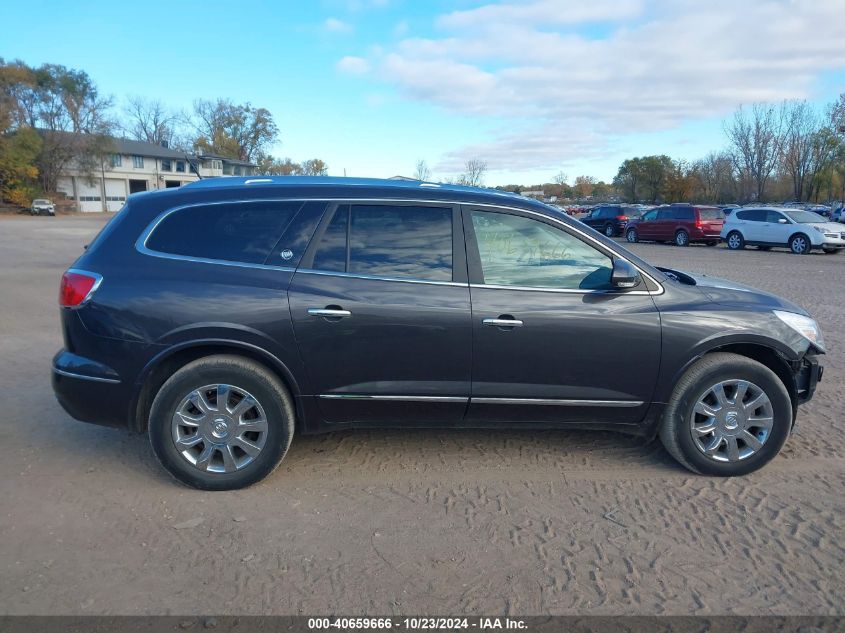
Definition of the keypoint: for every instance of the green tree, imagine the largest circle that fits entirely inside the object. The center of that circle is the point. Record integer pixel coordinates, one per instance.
(233, 130)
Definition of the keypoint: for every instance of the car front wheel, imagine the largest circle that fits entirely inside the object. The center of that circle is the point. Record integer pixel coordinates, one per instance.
(735, 241)
(728, 415)
(632, 236)
(799, 244)
(221, 423)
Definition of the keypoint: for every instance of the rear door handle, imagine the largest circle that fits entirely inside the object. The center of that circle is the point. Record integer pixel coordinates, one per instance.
(503, 322)
(329, 313)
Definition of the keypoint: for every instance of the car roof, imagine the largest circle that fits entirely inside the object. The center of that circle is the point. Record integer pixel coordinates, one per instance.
(327, 187)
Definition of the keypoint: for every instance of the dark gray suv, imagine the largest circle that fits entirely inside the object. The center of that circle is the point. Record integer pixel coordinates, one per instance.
(226, 316)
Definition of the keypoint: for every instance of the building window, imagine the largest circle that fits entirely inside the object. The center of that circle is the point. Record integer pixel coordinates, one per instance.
(165, 165)
(138, 162)
(227, 169)
(180, 165)
(116, 160)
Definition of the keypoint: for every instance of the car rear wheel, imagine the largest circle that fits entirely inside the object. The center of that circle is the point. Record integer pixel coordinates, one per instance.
(632, 236)
(735, 241)
(799, 244)
(681, 238)
(728, 415)
(221, 423)
(609, 230)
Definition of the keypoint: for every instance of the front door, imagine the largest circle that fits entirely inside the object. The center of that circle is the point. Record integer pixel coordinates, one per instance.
(552, 341)
(381, 311)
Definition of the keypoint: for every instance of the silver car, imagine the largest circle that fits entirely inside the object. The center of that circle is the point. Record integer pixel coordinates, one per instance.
(42, 206)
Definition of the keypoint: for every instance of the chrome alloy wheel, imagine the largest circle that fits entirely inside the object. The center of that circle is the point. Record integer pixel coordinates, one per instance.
(731, 420)
(219, 428)
(734, 240)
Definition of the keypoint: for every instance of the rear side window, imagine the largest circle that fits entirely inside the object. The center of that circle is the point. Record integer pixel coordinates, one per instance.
(331, 249)
(682, 214)
(711, 214)
(388, 241)
(414, 242)
(238, 232)
(752, 215)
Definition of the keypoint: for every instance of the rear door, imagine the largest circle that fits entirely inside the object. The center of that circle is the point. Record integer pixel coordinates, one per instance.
(753, 224)
(664, 225)
(551, 341)
(381, 311)
(711, 220)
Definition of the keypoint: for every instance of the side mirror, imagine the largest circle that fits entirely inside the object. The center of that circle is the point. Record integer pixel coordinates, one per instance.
(783, 221)
(624, 275)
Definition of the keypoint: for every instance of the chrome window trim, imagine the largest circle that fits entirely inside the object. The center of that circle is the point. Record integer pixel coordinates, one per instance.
(356, 396)
(98, 279)
(70, 374)
(560, 402)
(141, 242)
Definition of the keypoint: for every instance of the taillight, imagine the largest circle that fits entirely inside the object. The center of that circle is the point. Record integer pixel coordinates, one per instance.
(77, 287)
(698, 224)
(622, 218)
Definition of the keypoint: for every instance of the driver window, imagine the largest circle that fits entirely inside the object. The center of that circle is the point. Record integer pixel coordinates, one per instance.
(518, 251)
(651, 215)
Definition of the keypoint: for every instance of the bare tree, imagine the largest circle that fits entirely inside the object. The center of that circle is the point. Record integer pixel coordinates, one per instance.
(149, 120)
(756, 136)
(422, 171)
(474, 171)
(714, 177)
(561, 178)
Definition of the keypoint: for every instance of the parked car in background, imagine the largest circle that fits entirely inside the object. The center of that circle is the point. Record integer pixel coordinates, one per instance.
(610, 219)
(322, 289)
(42, 206)
(799, 230)
(682, 224)
(839, 214)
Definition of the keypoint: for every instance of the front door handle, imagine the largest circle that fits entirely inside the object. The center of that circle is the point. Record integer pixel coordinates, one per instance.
(329, 313)
(504, 320)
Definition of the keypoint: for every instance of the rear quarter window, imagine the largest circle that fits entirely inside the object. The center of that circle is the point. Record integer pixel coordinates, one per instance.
(711, 214)
(237, 232)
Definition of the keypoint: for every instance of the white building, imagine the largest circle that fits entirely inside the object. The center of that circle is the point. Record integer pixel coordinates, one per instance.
(138, 166)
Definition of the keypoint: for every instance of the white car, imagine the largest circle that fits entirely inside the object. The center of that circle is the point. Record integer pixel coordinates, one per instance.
(42, 206)
(799, 230)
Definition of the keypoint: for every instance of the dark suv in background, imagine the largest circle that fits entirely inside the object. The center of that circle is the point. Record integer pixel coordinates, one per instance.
(609, 219)
(682, 224)
(227, 315)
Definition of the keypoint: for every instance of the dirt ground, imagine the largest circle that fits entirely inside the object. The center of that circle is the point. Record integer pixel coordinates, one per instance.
(411, 522)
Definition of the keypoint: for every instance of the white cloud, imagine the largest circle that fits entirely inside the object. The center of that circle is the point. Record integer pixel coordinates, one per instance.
(400, 28)
(334, 25)
(353, 65)
(610, 67)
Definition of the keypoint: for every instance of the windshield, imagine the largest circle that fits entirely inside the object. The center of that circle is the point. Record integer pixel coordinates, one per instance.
(711, 214)
(40, 201)
(804, 217)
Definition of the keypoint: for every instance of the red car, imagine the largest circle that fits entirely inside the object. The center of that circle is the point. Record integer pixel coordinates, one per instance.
(682, 224)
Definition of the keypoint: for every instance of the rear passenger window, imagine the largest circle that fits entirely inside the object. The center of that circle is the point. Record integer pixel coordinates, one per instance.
(237, 232)
(331, 249)
(401, 241)
(683, 214)
(752, 215)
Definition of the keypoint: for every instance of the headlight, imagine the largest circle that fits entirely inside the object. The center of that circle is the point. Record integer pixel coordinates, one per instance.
(804, 325)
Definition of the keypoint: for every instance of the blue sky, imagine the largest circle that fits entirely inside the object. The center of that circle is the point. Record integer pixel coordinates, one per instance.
(532, 87)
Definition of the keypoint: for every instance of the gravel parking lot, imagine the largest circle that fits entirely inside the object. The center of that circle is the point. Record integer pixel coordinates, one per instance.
(410, 522)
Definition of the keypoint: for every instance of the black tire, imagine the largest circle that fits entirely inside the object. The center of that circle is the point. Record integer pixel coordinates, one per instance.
(800, 244)
(675, 431)
(681, 238)
(632, 236)
(225, 369)
(735, 241)
(609, 230)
